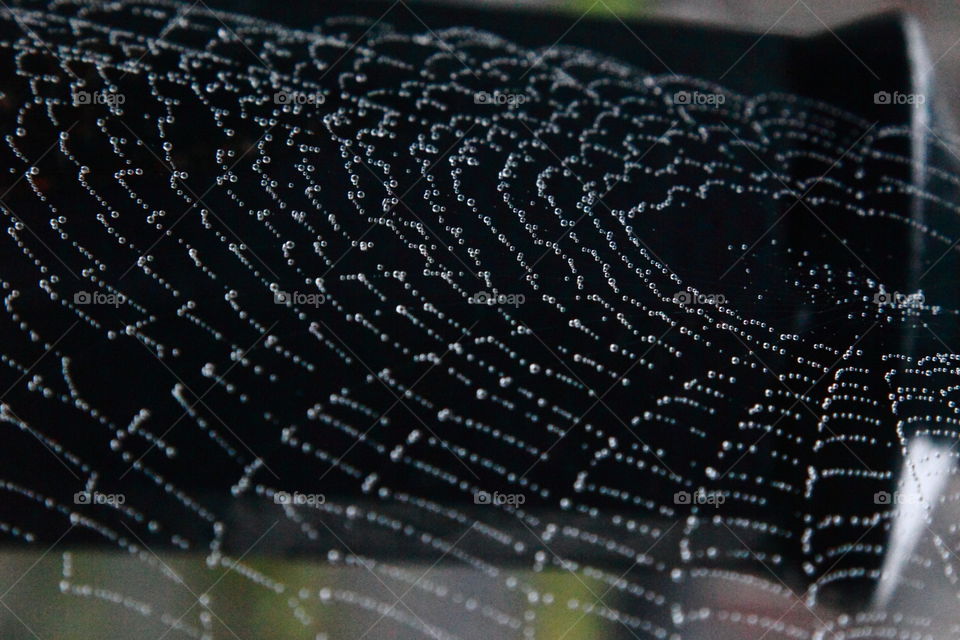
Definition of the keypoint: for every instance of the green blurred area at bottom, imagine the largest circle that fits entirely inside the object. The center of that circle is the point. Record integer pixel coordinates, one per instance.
(182, 595)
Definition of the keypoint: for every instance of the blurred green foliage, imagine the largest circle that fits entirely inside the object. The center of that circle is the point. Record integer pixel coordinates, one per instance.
(114, 594)
(604, 8)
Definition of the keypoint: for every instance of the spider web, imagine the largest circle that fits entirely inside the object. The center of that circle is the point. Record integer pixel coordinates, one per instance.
(445, 316)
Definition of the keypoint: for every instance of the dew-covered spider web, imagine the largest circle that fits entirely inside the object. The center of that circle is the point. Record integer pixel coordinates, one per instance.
(371, 329)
